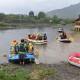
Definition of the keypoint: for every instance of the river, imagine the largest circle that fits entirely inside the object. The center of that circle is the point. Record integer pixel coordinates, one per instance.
(51, 53)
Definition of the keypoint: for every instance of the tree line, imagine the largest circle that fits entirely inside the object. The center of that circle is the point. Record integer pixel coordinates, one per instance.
(31, 18)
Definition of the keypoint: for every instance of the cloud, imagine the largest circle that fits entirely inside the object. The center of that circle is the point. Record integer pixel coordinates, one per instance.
(24, 6)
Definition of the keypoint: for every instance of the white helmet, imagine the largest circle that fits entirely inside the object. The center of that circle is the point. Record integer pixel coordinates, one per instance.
(60, 30)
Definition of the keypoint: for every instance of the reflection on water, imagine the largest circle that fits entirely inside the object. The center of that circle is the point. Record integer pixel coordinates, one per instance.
(52, 52)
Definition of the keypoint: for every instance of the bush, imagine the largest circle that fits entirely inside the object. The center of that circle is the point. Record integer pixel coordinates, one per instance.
(2, 24)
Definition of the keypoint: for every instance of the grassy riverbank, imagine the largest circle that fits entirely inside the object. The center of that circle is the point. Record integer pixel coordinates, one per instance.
(26, 25)
(63, 71)
(29, 72)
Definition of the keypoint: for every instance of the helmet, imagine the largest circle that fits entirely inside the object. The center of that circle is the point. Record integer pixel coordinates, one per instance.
(60, 30)
(22, 40)
(14, 41)
(30, 44)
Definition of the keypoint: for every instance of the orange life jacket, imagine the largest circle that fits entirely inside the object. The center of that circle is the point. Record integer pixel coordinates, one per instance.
(68, 35)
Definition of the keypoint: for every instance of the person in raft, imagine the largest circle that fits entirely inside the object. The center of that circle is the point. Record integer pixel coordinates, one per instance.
(62, 34)
(30, 48)
(44, 37)
(14, 47)
(22, 51)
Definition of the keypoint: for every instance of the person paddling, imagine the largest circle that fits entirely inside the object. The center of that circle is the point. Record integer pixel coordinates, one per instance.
(62, 34)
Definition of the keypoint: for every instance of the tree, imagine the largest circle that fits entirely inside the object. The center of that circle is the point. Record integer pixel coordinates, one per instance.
(41, 15)
(56, 20)
(31, 13)
(2, 16)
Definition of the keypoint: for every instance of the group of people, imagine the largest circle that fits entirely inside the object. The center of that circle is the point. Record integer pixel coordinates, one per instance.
(26, 46)
(62, 34)
(37, 36)
(21, 49)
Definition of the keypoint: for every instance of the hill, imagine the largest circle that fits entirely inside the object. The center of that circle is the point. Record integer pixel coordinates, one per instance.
(70, 12)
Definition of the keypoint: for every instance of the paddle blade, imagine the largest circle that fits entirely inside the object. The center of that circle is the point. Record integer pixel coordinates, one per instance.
(36, 61)
(37, 51)
(71, 39)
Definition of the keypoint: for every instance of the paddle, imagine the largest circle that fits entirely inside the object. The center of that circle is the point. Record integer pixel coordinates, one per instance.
(71, 39)
(56, 38)
(36, 56)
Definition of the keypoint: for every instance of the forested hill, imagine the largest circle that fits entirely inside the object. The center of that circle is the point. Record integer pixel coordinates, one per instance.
(71, 12)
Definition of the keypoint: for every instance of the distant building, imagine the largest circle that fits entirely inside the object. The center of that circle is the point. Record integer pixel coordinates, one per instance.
(77, 24)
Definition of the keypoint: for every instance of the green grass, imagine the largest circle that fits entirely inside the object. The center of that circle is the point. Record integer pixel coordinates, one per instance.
(11, 72)
(31, 72)
(41, 72)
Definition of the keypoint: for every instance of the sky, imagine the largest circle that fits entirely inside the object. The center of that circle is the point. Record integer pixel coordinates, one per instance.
(25, 6)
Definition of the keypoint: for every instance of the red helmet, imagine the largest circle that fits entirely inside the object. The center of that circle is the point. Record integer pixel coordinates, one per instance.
(14, 41)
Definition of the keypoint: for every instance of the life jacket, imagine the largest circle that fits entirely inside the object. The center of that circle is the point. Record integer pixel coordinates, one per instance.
(30, 48)
(21, 47)
(12, 49)
(44, 37)
(63, 35)
(68, 35)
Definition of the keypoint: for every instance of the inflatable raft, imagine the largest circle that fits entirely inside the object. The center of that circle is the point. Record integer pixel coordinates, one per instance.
(69, 40)
(38, 41)
(74, 59)
(65, 40)
(15, 57)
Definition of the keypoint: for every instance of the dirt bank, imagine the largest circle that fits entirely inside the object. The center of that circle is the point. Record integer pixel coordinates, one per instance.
(65, 71)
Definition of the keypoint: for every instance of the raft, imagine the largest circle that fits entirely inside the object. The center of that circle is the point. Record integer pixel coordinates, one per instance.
(37, 41)
(69, 40)
(74, 59)
(15, 57)
(65, 40)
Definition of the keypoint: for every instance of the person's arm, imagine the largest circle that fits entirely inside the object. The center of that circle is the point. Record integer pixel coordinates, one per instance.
(18, 46)
(25, 46)
(46, 37)
(32, 49)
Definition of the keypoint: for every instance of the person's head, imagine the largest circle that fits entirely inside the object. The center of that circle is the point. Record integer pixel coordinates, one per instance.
(16, 43)
(45, 34)
(22, 40)
(30, 44)
(25, 40)
(60, 30)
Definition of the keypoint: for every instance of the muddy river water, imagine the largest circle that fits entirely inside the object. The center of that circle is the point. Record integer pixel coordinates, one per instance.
(52, 52)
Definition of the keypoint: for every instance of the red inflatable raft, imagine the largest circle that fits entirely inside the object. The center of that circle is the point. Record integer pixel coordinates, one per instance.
(74, 59)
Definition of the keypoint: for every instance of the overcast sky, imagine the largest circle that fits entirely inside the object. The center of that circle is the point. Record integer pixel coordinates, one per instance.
(24, 6)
